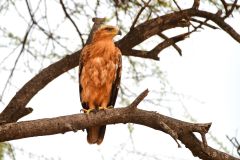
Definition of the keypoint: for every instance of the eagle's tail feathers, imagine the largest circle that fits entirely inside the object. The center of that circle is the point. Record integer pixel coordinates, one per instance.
(101, 134)
(95, 134)
(92, 134)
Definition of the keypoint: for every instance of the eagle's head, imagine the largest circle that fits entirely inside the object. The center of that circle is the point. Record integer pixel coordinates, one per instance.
(106, 32)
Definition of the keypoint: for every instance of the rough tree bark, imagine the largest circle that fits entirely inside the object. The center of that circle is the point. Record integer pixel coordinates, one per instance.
(10, 129)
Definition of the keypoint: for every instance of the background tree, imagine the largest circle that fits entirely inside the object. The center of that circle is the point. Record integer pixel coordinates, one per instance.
(43, 33)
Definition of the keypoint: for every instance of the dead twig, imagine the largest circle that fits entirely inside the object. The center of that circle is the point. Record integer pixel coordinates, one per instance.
(72, 21)
(139, 13)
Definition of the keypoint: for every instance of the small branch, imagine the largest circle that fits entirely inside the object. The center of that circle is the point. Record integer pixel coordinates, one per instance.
(224, 5)
(201, 128)
(170, 131)
(30, 12)
(163, 125)
(135, 103)
(24, 41)
(179, 8)
(139, 13)
(235, 143)
(168, 42)
(196, 4)
(34, 22)
(229, 12)
(153, 54)
(174, 45)
(72, 21)
(237, 6)
(204, 141)
(219, 21)
(97, 23)
(204, 23)
(140, 53)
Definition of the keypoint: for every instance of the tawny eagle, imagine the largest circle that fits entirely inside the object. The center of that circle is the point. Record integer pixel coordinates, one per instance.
(99, 76)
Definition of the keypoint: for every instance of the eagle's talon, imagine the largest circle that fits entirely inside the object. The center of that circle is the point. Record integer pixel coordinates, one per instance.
(87, 111)
(83, 110)
(110, 107)
(105, 108)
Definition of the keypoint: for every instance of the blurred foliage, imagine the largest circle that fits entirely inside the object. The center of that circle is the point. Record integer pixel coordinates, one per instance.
(6, 150)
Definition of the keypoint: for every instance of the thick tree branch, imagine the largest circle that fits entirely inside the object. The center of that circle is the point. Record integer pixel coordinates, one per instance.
(131, 114)
(172, 20)
(219, 21)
